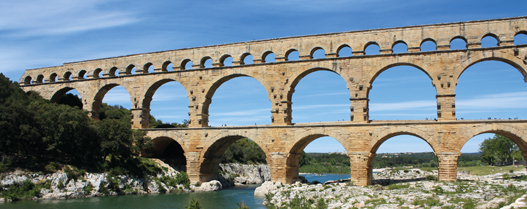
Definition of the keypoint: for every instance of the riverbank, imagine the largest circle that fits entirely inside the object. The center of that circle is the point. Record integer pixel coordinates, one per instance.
(60, 185)
(400, 189)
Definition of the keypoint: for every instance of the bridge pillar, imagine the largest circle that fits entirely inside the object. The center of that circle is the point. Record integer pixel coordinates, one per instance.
(280, 171)
(447, 165)
(361, 167)
(140, 118)
(446, 107)
(359, 110)
(193, 166)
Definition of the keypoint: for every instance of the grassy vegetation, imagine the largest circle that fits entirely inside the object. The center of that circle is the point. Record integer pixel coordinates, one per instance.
(486, 170)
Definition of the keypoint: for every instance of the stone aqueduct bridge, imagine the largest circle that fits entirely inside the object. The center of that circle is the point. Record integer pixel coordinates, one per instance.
(283, 141)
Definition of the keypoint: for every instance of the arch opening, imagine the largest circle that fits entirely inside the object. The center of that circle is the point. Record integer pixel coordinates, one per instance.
(226, 60)
(489, 40)
(320, 95)
(372, 49)
(28, 80)
(68, 96)
(402, 92)
(53, 78)
(82, 75)
(167, 66)
(168, 103)
(491, 90)
(493, 151)
(292, 55)
(186, 64)
(247, 59)
(520, 38)
(169, 151)
(269, 57)
(238, 100)
(206, 62)
(228, 149)
(40, 79)
(318, 153)
(98, 73)
(114, 72)
(400, 47)
(131, 70)
(111, 98)
(458, 43)
(428, 45)
(67, 76)
(148, 68)
(344, 51)
(318, 53)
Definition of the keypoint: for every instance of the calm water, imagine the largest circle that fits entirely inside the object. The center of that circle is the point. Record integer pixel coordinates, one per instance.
(227, 198)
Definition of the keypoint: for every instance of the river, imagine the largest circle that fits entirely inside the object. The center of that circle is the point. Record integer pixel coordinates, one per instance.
(227, 198)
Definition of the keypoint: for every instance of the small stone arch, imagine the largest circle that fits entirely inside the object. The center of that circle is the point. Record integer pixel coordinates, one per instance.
(242, 58)
(81, 75)
(399, 42)
(223, 58)
(146, 67)
(289, 53)
(212, 89)
(208, 168)
(491, 35)
(129, 69)
(40, 78)
(316, 49)
(371, 43)
(165, 65)
(113, 72)
(517, 38)
(458, 37)
(67, 76)
(169, 150)
(53, 78)
(342, 47)
(96, 73)
(510, 132)
(184, 64)
(203, 61)
(428, 40)
(265, 54)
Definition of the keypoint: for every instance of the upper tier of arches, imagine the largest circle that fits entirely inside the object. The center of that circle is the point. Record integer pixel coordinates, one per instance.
(504, 31)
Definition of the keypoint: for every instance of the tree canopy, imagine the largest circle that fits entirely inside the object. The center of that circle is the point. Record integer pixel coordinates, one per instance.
(499, 149)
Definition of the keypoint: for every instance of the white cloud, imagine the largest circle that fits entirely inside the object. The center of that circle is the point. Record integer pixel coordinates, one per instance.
(510, 100)
(52, 17)
(399, 106)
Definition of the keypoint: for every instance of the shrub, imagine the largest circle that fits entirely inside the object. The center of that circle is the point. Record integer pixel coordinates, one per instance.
(88, 188)
(431, 177)
(182, 178)
(194, 204)
(60, 185)
(69, 173)
(398, 186)
(506, 177)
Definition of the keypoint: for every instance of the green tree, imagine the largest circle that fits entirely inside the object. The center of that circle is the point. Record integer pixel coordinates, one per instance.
(194, 204)
(498, 149)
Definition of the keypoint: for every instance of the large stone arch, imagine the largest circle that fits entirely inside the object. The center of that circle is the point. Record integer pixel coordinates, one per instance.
(216, 146)
(374, 74)
(481, 57)
(513, 133)
(99, 96)
(56, 95)
(296, 78)
(170, 151)
(151, 89)
(384, 136)
(215, 84)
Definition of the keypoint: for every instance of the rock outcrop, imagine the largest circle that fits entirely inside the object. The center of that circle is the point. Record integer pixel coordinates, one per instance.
(245, 174)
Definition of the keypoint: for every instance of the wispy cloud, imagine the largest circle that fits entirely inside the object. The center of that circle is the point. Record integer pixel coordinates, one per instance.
(510, 100)
(398, 106)
(53, 17)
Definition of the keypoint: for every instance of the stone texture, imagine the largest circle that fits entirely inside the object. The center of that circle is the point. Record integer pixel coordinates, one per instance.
(283, 141)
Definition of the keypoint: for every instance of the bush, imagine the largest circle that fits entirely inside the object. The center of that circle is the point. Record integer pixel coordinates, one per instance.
(506, 177)
(194, 204)
(88, 188)
(431, 177)
(182, 178)
(24, 191)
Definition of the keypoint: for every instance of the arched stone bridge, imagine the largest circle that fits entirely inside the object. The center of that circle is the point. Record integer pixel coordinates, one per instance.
(283, 141)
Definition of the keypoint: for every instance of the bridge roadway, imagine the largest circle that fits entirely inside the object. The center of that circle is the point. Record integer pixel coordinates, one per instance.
(283, 145)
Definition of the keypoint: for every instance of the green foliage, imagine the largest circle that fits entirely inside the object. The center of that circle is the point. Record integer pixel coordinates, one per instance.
(242, 205)
(194, 204)
(60, 185)
(324, 163)
(69, 173)
(398, 186)
(499, 149)
(88, 188)
(506, 176)
(431, 177)
(321, 204)
(244, 151)
(182, 178)
(24, 191)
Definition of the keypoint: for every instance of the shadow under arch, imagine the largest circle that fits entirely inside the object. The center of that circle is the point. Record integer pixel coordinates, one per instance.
(518, 67)
(374, 77)
(169, 151)
(97, 99)
(212, 90)
(212, 157)
(295, 153)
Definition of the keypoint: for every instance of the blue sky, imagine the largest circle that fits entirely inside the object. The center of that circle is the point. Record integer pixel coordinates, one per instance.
(48, 33)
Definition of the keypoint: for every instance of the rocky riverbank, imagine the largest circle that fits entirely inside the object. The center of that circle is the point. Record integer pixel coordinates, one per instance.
(401, 189)
(59, 186)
